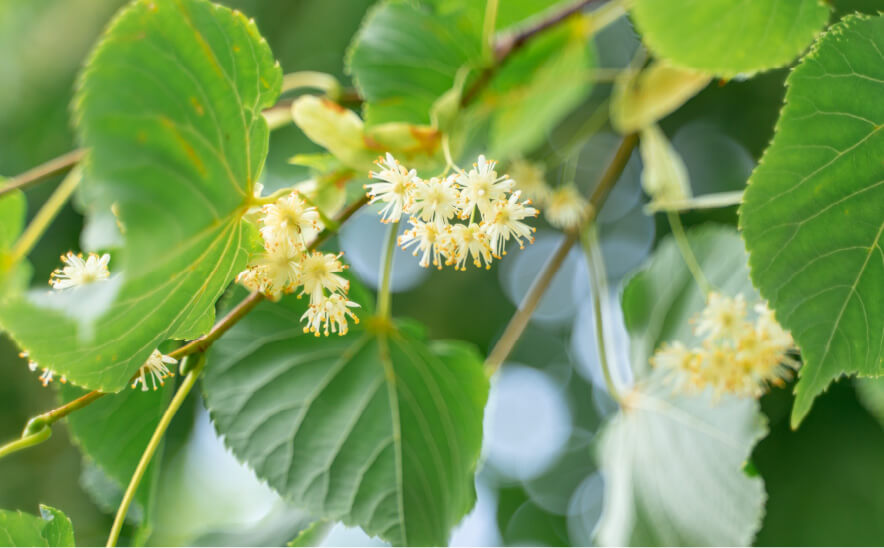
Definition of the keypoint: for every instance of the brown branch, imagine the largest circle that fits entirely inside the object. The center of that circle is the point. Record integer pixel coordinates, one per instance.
(43, 171)
(541, 283)
(512, 41)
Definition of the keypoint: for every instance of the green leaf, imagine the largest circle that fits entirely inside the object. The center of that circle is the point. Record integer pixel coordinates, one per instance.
(13, 210)
(378, 429)
(870, 393)
(52, 528)
(169, 105)
(728, 37)
(812, 217)
(58, 531)
(673, 464)
(113, 431)
(406, 56)
(538, 86)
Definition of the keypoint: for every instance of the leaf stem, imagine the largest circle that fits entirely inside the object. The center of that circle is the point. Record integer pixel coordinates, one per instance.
(44, 171)
(26, 441)
(44, 217)
(384, 296)
(153, 444)
(684, 246)
(598, 286)
(529, 303)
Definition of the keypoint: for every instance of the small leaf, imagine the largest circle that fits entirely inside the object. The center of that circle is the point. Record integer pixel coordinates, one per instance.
(728, 37)
(53, 528)
(642, 98)
(812, 214)
(169, 106)
(673, 464)
(377, 429)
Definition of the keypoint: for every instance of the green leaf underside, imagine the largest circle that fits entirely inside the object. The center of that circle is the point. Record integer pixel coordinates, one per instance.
(673, 470)
(51, 528)
(128, 419)
(728, 37)
(812, 216)
(377, 430)
(672, 463)
(170, 107)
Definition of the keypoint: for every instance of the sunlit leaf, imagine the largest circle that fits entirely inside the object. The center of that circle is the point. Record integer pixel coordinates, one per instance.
(812, 216)
(169, 105)
(728, 37)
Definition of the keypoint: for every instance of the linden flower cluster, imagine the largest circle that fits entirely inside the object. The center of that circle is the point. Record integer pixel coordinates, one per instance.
(737, 356)
(492, 212)
(288, 226)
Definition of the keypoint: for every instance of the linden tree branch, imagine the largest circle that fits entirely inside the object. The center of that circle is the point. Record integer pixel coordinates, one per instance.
(43, 171)
(41, 422)
(529, 303)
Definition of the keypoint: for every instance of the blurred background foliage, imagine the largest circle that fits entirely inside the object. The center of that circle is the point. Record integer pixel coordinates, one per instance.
(537, 484)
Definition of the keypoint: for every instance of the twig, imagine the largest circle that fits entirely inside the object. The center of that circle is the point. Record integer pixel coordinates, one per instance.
(510, 43)
(526, 308)
(43, 171)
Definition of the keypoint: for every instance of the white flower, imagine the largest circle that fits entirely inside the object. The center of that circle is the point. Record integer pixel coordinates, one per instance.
(469, 241)
(318, 271)
(78, 271)
(722, 317)
(481, 186)
(429, 239)
(330, 315)
(275, 271)
(505, 221)
(156, 368)
(566, 208)
(290, 217)
(393, 189)
(435, 200)
(529, 179)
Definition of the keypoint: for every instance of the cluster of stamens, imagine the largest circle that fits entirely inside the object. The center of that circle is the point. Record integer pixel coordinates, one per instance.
(288, 226)
(491, 212)
(737, 356)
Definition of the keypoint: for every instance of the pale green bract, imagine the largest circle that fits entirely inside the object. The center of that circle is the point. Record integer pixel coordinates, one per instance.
(378, 428)
(673, 463)
(813, 214)
(729, 37)
(51, 528)
(170, 106)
